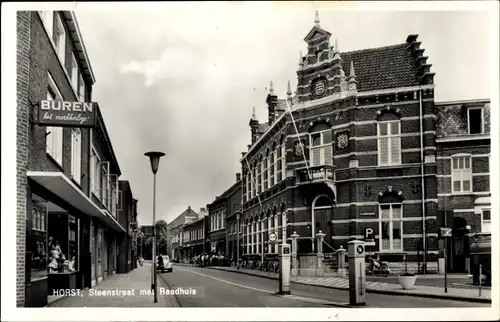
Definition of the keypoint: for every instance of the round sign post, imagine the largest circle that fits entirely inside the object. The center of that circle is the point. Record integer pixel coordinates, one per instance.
(273, 237)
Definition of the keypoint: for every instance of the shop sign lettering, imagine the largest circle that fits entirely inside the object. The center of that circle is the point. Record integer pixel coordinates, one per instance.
(64, 113)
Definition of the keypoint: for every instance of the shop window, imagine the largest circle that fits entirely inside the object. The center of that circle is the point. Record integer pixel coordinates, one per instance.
(389, 143)
(486, 221)
(476, 121)
(63, 243)
(76, 154)
(461, 174)
(37, 241)
(391, 227)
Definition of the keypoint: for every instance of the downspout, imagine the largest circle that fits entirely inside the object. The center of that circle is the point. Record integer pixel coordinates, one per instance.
(422, 183)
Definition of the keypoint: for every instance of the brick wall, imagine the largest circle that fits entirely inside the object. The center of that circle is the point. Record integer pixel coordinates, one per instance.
(22, 125)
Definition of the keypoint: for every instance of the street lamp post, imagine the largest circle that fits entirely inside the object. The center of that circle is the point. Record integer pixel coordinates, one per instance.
(154, 158)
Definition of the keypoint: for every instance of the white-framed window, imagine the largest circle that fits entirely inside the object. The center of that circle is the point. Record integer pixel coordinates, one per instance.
(249, 185)
(48, 21)
(486, 220)
(266, 171)
(272, 167)
(391, 227)
(74, 72)
(76, 154)
(279, 164)
(81, 88)
(59, 38)
(475, 120)
(461, 173)
(389, 142)
(276, 229)
(54, 134)
(259, 176)
(283, 159)
(254, 181)
(262, 166)
(321, 148)
(94, 160)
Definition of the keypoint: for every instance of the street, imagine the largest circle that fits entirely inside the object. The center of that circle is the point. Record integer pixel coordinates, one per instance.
(227, 289)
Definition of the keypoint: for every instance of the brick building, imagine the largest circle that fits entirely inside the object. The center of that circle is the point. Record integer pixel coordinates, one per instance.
(233, 228)
(463, 162)
(175, 231)
(127, 243)
(68, 200)
(194, 238)
(220, 213)
(360, 150)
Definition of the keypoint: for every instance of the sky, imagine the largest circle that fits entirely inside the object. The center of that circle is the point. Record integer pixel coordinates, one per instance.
(182, 78)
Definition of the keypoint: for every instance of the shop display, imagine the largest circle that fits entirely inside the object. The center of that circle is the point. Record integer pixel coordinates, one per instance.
(37, 238)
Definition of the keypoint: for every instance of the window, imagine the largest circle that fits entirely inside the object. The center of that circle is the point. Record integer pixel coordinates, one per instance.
(74, 72)
(272, 165)
(262, 166)
(48, 21)
(249, 186)
(81, 89)
(259, 176)
(95, 173)
(266, 171)
(104, 182)
(54, 136)
(391, 227)
(389, 143)
(279, 164)
(64, 243)
(37, 242)
(283, 159)
(476, 121)
(461, 174)
(59, 38)
(486, 221)
(321, 148)
(76, 154)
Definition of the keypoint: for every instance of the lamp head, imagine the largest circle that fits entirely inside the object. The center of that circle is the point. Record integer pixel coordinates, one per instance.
(154, 157)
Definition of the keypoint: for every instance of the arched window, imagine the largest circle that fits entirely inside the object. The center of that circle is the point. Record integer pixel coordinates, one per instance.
(389, 139)
(283, 157)
(262, 172)
(321, 145)
(272, 165)
(259, 175)
(266, 170)
(391, 223)
(461, 173)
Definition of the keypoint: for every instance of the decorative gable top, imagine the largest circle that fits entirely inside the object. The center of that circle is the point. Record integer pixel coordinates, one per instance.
(315, 33)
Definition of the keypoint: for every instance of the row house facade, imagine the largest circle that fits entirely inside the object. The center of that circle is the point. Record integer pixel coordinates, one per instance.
(234, 233)
(127, 217)
(356, 147)
(175, 232)
(222, 215)
(194, 238)
(68, 198)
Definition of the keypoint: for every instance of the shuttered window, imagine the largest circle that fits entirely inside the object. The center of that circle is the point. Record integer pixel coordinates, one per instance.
(389, 143)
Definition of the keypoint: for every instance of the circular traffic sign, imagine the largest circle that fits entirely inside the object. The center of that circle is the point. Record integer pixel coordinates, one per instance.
(272, 237)
(360, 249)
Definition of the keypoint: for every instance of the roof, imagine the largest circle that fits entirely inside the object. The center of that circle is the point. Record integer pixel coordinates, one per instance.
(181, 219)
(79, 45)
(226, 194)
(382, 67)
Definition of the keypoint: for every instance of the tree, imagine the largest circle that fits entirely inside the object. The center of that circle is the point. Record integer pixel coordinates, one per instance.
(161, 233)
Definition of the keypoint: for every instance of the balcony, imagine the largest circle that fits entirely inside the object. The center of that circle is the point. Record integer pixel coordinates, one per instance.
(318, 174)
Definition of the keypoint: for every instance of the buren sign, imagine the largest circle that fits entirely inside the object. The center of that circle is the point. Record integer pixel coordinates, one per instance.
(63, 113)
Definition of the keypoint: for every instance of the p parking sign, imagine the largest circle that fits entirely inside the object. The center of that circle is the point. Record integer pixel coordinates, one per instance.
(369, 237)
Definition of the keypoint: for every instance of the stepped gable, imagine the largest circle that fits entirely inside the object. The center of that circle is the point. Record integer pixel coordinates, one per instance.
(382, 67)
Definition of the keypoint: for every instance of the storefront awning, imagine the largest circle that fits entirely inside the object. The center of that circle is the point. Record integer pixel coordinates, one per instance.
(64, 188)
(111, 221)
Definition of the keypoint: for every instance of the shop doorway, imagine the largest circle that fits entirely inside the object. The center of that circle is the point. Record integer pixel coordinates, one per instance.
(458, 246)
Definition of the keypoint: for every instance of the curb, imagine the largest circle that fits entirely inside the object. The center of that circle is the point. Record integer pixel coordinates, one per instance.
(172, 299)
(375, 291)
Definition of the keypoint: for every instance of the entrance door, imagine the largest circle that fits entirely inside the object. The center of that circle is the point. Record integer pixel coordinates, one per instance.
(322, 216)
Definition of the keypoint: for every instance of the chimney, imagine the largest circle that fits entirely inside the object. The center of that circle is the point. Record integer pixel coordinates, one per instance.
(189, 207)
(203, 210)
(238, 176)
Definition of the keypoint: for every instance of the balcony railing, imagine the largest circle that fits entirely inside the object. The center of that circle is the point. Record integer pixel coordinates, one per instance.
(318, 173)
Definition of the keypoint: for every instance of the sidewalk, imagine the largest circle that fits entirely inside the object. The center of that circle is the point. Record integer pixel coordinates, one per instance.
(132, 283)
(470, 295)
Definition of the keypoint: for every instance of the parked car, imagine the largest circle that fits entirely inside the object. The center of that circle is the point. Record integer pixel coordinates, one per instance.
(165, 266)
